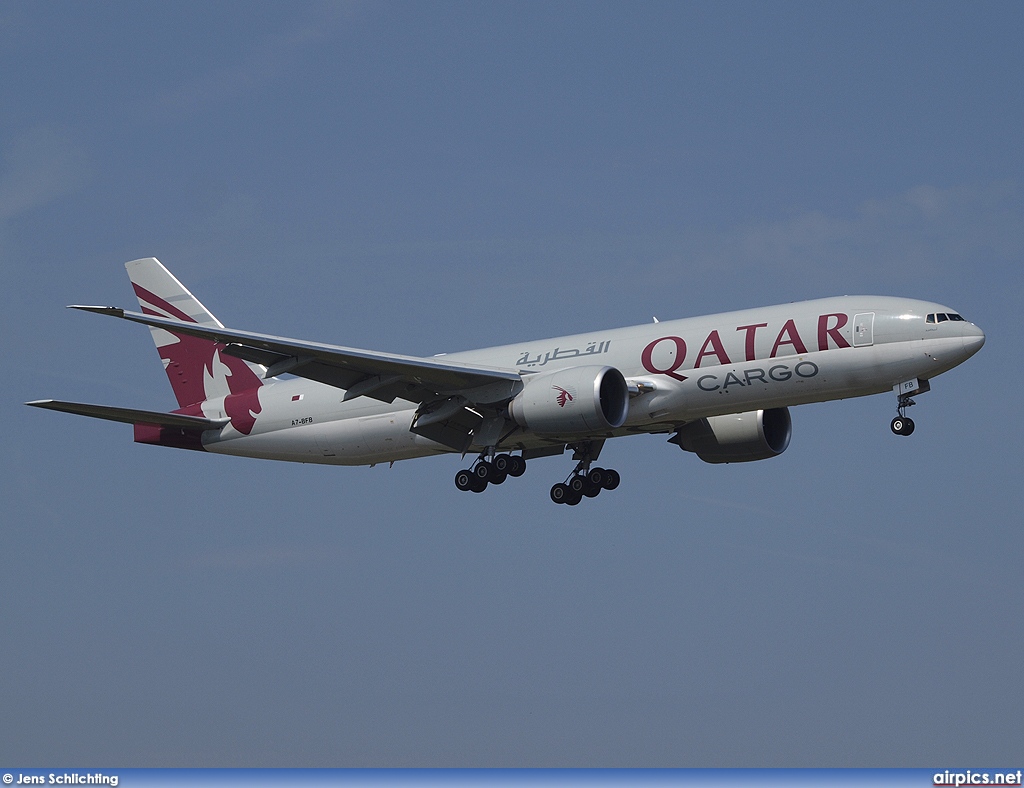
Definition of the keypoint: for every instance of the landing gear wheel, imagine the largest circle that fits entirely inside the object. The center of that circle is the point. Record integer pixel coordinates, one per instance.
(577, 485)
(484, 471)
(596, 477)
(518, 465)
(592, 490)
(502, 463)
(902, 425)
(464, 480)
(611, 479)
(560, 493)
(479, 485)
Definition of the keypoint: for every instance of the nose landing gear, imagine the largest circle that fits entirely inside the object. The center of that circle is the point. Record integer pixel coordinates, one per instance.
(903, 424)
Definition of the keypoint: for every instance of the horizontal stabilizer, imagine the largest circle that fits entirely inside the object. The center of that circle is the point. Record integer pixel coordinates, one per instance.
(131, 415)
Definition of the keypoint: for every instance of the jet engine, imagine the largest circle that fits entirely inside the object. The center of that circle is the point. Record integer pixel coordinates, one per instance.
(738, 437)
(571, 401)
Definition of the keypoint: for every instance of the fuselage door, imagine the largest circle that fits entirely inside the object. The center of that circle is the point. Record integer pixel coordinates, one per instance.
(864, 329)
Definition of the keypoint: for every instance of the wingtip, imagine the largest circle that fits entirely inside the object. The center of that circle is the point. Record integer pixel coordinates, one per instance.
(113, 311)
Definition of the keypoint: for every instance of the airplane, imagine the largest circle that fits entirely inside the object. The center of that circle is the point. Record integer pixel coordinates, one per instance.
(720, 386)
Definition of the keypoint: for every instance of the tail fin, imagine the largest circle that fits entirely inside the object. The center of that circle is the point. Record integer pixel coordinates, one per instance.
(198, 371)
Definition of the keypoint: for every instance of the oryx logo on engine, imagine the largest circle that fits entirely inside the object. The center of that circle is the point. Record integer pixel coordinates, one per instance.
(564, 396)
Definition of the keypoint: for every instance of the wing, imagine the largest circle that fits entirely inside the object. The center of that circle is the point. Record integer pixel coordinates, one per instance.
(383, 376)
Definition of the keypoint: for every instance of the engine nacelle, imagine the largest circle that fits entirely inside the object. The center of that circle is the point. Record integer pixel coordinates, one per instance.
(572, 401)
(738, 437)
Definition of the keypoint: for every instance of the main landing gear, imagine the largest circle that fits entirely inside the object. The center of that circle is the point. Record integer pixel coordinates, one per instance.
(584, 481)
(493, 471)
(584, 484)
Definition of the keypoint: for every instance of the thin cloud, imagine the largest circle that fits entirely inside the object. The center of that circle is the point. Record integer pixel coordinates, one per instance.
(921, 231)
(261, 65)
(39, 166)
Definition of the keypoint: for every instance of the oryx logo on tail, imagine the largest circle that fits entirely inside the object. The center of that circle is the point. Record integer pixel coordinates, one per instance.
(196, 368)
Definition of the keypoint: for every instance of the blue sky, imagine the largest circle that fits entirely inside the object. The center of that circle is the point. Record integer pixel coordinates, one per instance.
(420, 178)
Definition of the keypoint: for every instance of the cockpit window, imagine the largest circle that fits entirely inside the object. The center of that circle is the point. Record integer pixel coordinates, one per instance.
(942, 317)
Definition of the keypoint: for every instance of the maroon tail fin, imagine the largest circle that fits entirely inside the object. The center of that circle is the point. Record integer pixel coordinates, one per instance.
(197, 369)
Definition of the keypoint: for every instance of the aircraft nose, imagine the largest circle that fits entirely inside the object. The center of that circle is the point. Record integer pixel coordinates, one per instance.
(974, 339)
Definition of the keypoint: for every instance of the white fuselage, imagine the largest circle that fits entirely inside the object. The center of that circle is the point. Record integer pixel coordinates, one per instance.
(680, 370)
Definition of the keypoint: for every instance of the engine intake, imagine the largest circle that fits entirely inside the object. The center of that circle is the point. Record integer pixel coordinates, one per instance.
(738, 437)
(572, 401)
